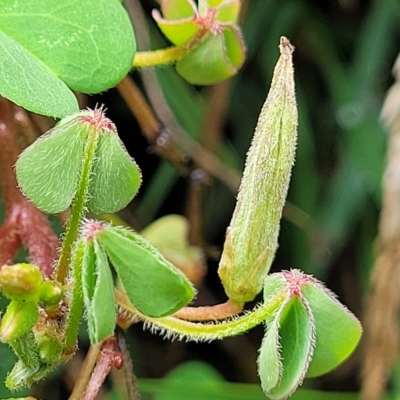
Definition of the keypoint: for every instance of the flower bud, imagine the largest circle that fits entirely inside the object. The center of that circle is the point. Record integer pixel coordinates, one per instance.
(50, 294)
(252, 237)
(20, 281)
(49, 347)
(19, 319)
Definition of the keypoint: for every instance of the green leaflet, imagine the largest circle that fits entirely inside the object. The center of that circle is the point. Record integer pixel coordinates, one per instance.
(98, 293)
(153, 285)
(48, 170)
(115, 176)
(296, 343)
(337, 330)
(311, 334)
(47, 45)
(269, 361)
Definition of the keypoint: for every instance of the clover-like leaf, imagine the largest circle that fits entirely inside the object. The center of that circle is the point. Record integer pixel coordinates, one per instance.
(153, 285)
(310, 333)
(49, 170)
(48, 46)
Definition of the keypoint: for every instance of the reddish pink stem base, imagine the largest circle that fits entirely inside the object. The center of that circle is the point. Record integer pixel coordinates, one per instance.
(210, 313)
(24, 223)
(109, 356)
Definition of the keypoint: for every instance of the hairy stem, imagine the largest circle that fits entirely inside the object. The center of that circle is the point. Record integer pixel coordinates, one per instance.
(76, 303)
(170, 54)
(77, 209)
(172, 326)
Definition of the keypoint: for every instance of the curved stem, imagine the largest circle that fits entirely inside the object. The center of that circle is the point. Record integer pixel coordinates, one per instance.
(168, 55)
(77, 209)
(210, 313)
(172, 326)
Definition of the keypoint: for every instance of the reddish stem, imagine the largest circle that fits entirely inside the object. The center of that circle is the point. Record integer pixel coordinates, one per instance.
(210, 313)
(23, 222)
(109, 356)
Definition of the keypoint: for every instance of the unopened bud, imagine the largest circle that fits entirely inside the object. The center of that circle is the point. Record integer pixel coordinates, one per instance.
(50, 294)
(20, 281)
(19, 319)
(252, 236)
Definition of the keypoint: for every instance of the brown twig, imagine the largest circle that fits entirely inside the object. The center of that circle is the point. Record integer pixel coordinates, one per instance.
(210, 136)
(151, 128)
(24, 223)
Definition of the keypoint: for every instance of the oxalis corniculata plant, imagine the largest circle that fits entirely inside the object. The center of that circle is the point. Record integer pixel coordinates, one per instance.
(81, 164)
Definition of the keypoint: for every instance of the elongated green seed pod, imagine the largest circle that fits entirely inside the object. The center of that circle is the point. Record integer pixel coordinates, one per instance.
(252, 236)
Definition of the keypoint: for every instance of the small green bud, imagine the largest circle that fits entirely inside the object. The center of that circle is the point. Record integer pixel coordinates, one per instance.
(50, 293)
(20, 281)
(49, 346)
(252, 237)
(19, 319)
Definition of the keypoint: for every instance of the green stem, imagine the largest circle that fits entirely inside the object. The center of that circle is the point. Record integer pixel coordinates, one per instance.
(76, 302)
(170, 54)
(77, 209)
(173, 326)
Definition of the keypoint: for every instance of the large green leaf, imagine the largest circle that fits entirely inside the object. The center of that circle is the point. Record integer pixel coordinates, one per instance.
(31, 84)
(153, 285)
(88, 46)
